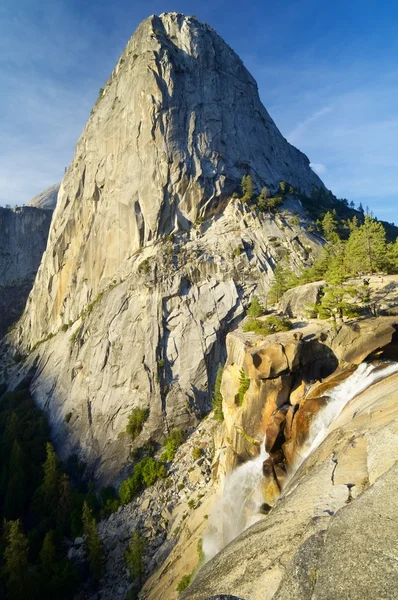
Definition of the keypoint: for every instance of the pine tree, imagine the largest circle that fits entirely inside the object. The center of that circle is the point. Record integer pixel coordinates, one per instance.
(134, 556)
(284, 279)
(262, 199)
(337, 302)
(392, 257)
(337, 264)
(255, 309)
(65, 503)
(48, 554)
(247, 188)
(51, 480)
(329, 227)
(16, 565)
(366, 247)
(93, 543)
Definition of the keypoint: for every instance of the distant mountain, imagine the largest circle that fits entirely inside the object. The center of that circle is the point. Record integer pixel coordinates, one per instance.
(47, 199)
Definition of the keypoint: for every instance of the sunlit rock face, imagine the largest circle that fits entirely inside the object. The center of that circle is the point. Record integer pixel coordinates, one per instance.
(139, 316)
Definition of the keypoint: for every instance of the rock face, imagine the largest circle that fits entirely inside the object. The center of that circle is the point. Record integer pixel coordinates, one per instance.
(295, 302)
(287, 378)
(47, 200)
(150, 261)
(331, 534)
(278, 370)
(23, 238)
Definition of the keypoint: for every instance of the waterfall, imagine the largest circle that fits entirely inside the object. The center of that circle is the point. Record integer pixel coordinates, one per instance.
(365, 375)
(239, 505)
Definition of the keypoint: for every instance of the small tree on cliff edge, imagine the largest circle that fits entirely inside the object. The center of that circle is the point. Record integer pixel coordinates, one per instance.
(247, 188)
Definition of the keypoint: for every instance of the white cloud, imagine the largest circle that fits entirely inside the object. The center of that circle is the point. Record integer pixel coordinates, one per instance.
(298, 132)
(318, 168)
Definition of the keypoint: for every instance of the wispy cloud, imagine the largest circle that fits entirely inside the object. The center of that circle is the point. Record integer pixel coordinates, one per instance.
(318, 168)
(296, 135)
(336, 102)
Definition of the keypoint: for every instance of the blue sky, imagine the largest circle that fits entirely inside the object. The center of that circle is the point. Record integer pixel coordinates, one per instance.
(327, 73)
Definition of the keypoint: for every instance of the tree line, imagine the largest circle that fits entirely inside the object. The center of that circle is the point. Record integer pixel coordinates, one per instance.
(40, 507)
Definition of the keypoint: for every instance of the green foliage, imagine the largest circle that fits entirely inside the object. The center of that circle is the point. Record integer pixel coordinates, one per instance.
(136, 421)
(144, 266)
(74, 336)
(255, 309)
(172, 443)
(184, 582)
(135, 554)
(51, 479)
(365, 251)
(145, 473)
(15, 568)
(109, 501)
(283, 187)
(339, 301)
(217, 397)
(35, 492)
(367, 248)
(92, 543)
(270, 325)
(247, 188)
(268, 203)
(295, 220)
(244, 384)
(284, 279)
(197, 452)
(329, 226)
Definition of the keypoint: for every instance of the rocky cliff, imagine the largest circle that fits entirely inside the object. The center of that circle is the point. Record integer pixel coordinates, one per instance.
(150, 261)
(23, 238)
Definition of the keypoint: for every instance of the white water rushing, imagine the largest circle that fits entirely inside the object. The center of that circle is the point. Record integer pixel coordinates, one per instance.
(239, 505)
(366, 375)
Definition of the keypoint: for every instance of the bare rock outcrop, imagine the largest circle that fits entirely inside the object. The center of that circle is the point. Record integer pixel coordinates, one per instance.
(296, 302)
(150, 261)
(274, 386)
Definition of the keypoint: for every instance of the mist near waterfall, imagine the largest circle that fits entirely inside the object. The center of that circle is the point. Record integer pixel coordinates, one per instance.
(238, 507)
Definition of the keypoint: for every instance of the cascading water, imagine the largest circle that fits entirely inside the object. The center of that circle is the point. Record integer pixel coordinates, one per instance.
(239, 505)
(365, 375)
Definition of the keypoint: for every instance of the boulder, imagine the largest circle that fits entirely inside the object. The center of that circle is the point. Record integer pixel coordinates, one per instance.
(295, 302)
